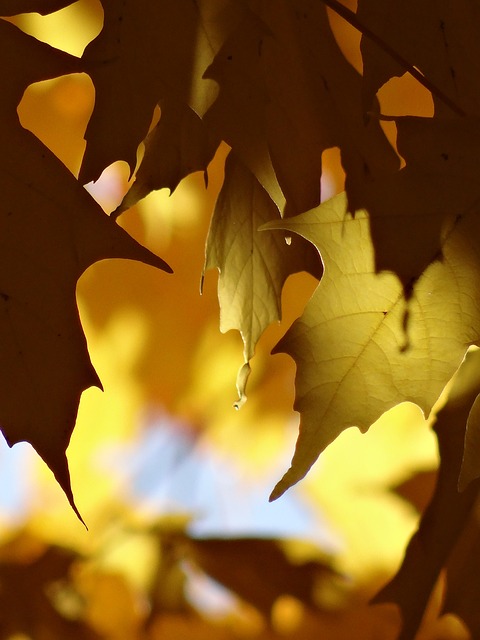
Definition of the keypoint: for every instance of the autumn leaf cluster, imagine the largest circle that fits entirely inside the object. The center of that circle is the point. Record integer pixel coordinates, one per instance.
(396, 254)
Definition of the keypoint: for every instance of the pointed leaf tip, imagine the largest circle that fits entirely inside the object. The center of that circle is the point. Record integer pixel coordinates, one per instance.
(276, 493)
(58, 464)
(284, 484)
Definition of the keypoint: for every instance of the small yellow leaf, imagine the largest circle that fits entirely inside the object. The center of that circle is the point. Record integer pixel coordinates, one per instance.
(253, 265)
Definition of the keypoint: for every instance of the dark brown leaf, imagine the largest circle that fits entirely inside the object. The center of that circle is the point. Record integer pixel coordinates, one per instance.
(286, 94)
(408, 210)
(44, 7)
(148, 51)
(178, 145)
(463, 575)
(447, 515)
(51, 231)
(438, 38)
(259, 570)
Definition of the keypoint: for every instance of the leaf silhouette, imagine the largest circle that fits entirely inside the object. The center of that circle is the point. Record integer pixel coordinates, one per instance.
(259, 570)
(43, 7)
(51, 231)
(447, 525)
(240, 78)
(438, 38)
(280, 129)
(360, 347)
(145, 52)
(462, 573)
(408, 208)
(177, 146)
(253, 266)
(470, 464)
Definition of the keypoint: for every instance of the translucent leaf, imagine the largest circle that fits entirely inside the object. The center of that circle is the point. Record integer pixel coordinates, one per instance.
(360, 346)
(253, 265)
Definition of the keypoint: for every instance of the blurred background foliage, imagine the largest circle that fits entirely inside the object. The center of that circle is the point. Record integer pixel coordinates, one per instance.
(172, 482)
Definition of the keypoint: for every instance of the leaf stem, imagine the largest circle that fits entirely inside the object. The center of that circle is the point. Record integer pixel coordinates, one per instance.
(352, 18)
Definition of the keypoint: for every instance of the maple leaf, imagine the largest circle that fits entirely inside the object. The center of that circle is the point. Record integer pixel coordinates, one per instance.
(360, 347)
(408, 208)
(253, 266)
(238, 114)
(438, 38)
(446, 527)
(177, 146)
(145, 52)
(287, 94)
(51, 231)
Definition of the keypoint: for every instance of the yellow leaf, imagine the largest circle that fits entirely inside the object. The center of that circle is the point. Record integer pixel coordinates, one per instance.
(112, 607)
(253, 266)
(360, 347)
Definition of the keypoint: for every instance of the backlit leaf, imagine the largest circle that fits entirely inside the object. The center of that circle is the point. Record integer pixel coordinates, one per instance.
(360, 347)
(253, 265)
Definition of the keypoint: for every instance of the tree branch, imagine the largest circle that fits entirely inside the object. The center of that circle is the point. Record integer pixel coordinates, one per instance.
(352, 18)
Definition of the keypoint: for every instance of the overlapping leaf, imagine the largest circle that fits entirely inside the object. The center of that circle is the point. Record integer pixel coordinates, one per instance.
(179, 145)
(287, 94)
(147, 51)
(51, 231)
(407, 209)
(253, 266)
(438, 38)
(448, 528)
(360, 347)
(279, 130)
